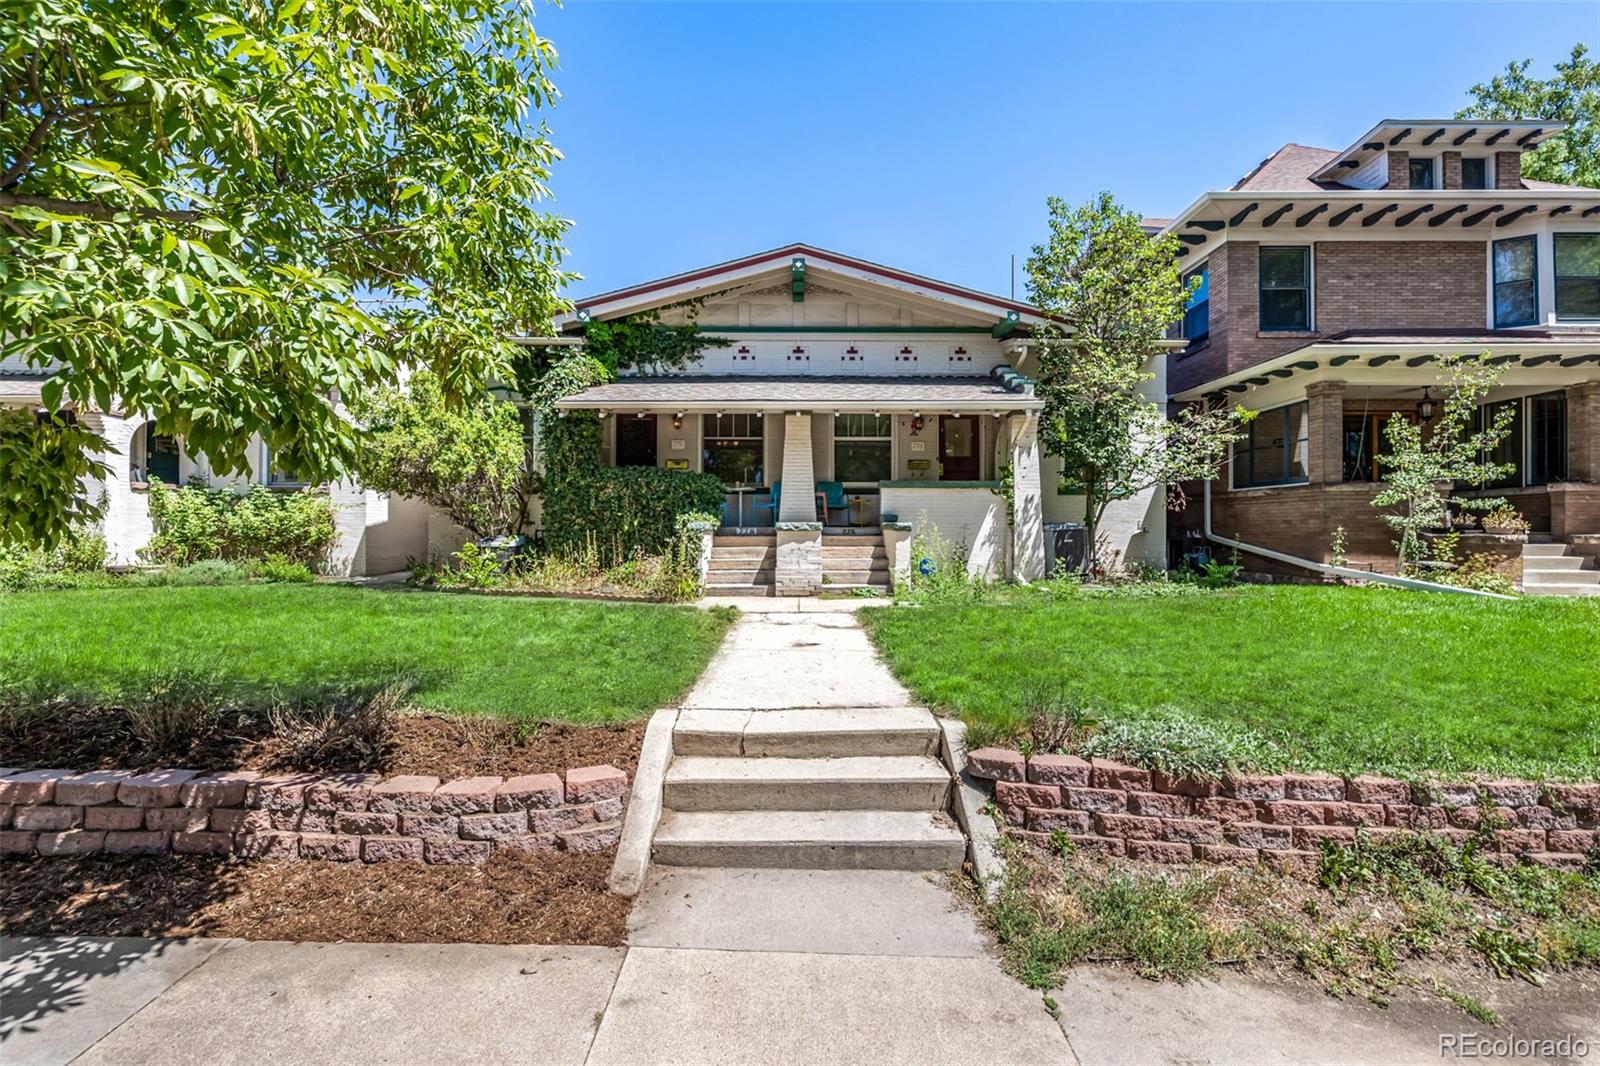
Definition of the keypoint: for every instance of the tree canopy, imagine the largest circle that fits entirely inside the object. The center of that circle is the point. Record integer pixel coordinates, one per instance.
(1571, 95)
(238, 215)
(1122, 290)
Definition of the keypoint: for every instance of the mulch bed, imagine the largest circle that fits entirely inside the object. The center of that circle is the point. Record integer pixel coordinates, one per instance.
(444, 746)
(545, 898)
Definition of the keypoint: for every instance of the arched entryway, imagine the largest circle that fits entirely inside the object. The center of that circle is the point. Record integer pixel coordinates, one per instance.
(152, 456)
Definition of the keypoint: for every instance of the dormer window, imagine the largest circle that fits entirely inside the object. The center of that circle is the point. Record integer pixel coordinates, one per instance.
(1421, 173)
(1474, 172)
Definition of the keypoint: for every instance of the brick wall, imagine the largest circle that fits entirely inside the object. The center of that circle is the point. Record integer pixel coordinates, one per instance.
(1451, 165)
(1508, 170)
(339, 817)
(1399, 171)
(1358, 285)
(1281, 820)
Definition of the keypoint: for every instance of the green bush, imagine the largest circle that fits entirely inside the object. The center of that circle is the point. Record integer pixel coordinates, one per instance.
(194, 523)
(79, 562)
(280, 568)
(627, 509)
(204, 572)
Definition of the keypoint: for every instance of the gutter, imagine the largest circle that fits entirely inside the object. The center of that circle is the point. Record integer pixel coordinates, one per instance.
(1336, 571)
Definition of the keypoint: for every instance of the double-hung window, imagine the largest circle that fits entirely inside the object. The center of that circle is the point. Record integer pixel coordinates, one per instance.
(733, 448)
(1197, 315)
(862, 446)
(1474, 172)
(1273, 450)
(1286, 288)
(1577, 275)
(1516, 290)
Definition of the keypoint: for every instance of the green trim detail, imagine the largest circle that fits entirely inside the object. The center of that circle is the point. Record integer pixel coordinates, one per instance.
(1004, 328)
(902, 527)
(797, 279)
(938, 484)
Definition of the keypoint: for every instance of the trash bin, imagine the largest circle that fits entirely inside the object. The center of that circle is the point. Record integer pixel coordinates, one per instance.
(1065, 545)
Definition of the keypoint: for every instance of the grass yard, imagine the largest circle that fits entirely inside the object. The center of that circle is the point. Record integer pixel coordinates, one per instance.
(524, 659)
(1340, 679)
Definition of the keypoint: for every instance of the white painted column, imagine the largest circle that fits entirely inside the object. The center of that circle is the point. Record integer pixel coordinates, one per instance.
(798, 502)
(1027, 517)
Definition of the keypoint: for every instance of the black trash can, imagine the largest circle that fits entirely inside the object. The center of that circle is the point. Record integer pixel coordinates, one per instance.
(1065, 547)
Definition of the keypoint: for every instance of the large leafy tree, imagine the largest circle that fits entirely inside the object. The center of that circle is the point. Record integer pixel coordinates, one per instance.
(1571, 95)
(237, 215)
(1122, 290)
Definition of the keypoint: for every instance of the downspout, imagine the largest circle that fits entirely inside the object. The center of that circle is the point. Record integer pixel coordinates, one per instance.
(1336, 571)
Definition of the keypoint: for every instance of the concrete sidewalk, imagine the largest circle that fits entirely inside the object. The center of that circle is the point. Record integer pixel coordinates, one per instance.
(763, 966)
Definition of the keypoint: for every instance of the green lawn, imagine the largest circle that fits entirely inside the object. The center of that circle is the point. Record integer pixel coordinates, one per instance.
(1332, 678)
(515, 658)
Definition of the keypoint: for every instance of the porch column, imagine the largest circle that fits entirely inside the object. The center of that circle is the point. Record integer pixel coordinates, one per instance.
(799, 533)
(1325, 432)
(1027, 516)
(1583, 432)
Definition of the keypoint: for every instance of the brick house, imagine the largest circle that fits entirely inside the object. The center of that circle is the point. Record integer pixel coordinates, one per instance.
(1331, 283)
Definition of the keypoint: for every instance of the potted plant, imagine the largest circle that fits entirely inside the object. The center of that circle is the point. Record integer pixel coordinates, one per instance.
(1505, 521)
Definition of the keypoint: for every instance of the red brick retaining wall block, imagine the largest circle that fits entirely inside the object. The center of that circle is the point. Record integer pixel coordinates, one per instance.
(1281, 819)
(339, 817)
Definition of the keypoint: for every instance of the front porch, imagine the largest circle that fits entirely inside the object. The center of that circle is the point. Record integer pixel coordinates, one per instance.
(831, 493)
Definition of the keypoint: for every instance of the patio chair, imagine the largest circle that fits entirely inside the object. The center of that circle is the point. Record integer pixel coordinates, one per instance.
(771, 505)
(830, 498)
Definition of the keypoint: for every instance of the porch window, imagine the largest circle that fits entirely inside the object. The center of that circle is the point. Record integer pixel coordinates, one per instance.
(1516, 293)
(1509, 451)
(734, 448)
(862, 447)
(1197, 316)
(1286, 288)
(1547, 438)
(1474, 172)
(1273, 450)
(1366, 442)
(1577, 275)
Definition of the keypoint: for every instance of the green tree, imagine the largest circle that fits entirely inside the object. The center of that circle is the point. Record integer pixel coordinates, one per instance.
(1572, 95)
(468, 459)
(1121, 290)
(238, 214)
(1423, 462)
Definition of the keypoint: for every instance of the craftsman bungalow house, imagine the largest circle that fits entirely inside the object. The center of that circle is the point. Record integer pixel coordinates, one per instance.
(855, 404)
(1330, 283)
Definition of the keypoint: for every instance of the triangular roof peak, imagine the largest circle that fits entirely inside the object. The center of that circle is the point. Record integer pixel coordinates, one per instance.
(797, 261)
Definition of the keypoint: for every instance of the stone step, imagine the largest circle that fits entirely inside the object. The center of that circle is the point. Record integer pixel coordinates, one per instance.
(712, 589)
(718, 561)
(864, 782)
(840, 576)
(1561, 577)
(1562, 590)
(834, 540)
(820, 840)
(806, 732)
(743, 540)
(854, 551)
(1549, 563)
(1545, 549)
(741, 577)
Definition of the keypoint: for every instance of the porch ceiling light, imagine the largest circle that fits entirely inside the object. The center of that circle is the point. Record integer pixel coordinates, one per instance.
(1426, 407)
(677, 420)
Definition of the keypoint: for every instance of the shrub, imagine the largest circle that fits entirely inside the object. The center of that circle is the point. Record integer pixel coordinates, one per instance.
(281, 569)
(194, 523)
(205, 572)
(84, 553)
(79, 561)
(626, 509)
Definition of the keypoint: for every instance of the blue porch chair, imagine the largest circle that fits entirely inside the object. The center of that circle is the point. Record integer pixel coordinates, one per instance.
(771, 505)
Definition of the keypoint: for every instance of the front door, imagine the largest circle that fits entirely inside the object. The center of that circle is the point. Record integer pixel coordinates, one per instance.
(958, 448)
(636, 440)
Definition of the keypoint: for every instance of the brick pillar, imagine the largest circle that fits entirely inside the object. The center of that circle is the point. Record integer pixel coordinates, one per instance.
(1452, 170)
(1325, 432)
(798, 569)
(1508, 170)
(1583, 432)
(1027, 512)
(1399, 171)
(798, 501)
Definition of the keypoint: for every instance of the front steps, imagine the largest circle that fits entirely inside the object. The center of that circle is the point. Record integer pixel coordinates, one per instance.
(819, 788)
(1552, 570)
(854, 560)
(741, 565)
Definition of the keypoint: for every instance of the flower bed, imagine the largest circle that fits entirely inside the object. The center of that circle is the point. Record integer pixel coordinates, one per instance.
(1279, 819)
(339, 817)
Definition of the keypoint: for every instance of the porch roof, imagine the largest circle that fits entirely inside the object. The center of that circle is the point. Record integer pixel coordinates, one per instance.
(703, 392)
(1406, 357)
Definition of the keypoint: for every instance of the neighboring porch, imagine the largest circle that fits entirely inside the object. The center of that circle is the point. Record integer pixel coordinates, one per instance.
(828, 479)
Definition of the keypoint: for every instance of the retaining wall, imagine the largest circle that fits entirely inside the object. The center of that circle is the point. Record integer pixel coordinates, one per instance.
(338, 817)
(1280, 819)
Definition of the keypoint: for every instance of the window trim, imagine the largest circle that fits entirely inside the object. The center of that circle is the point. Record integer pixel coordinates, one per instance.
(759, 438)
(1310, 291)
(1555, 275)
(1528, 451)
(1249, 439)
(1495, 282)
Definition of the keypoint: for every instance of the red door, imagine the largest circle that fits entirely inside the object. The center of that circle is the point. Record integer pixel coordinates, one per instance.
(958, 448)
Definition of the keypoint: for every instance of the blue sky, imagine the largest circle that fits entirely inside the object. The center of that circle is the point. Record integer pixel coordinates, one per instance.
(927, 135)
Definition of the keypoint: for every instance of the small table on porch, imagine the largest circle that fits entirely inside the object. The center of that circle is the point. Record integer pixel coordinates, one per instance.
(742, 491)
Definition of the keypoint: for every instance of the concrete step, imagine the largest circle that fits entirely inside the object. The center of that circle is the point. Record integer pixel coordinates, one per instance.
(825, 840)
(713, 589)
(1544, 549)
(854, 551)
(865, 782)
(832, 540)
(741, 553)
(1562, 590)
(806, 732)
(1550, 563)
(878, 575)
(1561, 577)
(743, 540)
